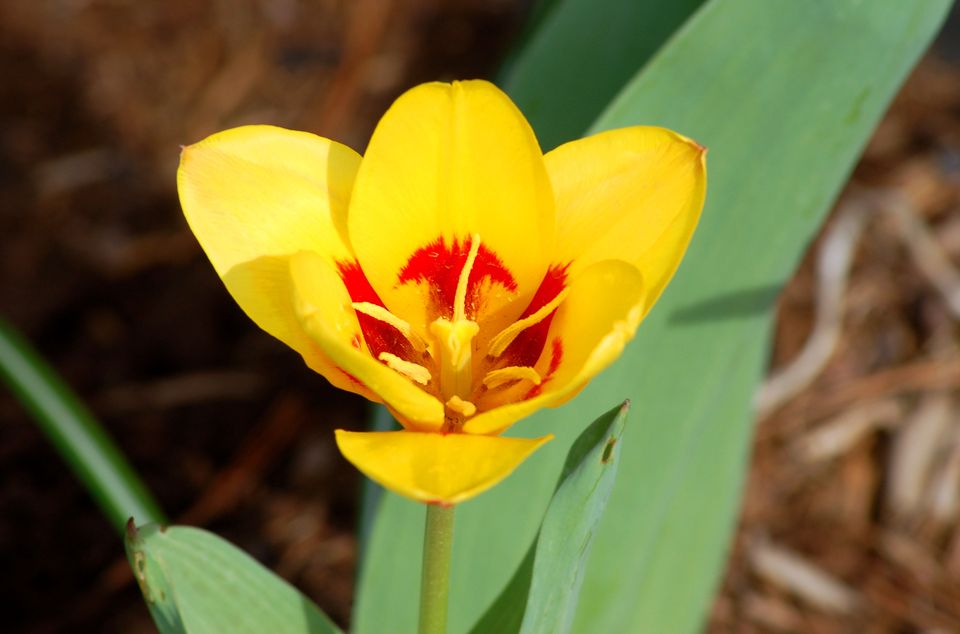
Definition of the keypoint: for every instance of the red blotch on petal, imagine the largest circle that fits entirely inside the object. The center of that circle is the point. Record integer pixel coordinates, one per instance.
(439, 266)
(357, 283)
(380, 337)
(556, 357)
(526, 348)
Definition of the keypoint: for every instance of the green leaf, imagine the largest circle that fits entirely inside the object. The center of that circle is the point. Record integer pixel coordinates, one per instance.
(74, 432)
(196, 583)
(542, 595)
(784, 94)
(380, 420)
(578, 56)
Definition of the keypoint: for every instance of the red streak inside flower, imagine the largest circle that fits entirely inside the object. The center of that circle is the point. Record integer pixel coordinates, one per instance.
(380, 337)
(351, 377)
(440, 265)
(556, 356)
(526, 348)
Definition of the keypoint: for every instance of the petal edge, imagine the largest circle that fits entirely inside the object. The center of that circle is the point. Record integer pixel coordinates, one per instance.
(435, 468)
(633, 194)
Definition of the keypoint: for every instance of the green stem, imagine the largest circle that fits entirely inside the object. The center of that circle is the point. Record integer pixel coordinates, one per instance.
(435, 583)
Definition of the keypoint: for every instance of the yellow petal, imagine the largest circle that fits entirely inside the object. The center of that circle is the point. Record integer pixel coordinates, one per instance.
(260, 190)
(257, 194)
(326, 311)
(435, 468)
(589, 331)
(633, 194)
(447, 162)
(262, 287)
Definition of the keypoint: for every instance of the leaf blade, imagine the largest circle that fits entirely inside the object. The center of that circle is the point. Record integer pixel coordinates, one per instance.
(542, 594)
(196, 582)
(579, 55)
(789, 62)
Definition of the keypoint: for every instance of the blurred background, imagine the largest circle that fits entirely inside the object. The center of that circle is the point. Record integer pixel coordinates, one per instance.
(851, 510)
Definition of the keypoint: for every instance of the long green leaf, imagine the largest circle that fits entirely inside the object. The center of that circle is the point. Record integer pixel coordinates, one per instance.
(579, 55)
(76, 435)
(196, 583)
(786, 113)
(542, 594)
(785, 94)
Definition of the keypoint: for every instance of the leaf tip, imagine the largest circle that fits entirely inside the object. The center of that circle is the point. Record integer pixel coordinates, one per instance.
(131, 530)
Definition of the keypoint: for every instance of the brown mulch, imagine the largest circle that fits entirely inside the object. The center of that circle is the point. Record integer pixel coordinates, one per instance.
(850, 518)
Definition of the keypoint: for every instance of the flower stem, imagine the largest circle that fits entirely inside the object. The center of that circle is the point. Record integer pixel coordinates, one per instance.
(435, 583)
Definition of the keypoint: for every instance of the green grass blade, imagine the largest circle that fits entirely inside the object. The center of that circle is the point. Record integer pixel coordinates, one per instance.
(784, 94)
(78, 437)
(197, 583)
(542, 594)
(578, 56)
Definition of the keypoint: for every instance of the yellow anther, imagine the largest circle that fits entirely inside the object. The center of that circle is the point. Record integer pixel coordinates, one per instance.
(382, 314)
(502, 376)
(506, 336)
(413, 371)
(462, 407)
(460, 299)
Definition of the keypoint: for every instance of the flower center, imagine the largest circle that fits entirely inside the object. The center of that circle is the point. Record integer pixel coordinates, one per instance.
(446, 361)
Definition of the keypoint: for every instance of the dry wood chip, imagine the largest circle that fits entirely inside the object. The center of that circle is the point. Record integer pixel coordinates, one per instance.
(797, 575)
(915, 449)
(943, 499)
(840, 434)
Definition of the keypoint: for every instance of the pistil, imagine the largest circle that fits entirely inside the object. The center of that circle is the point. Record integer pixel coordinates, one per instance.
(454, 352)
(454, 346)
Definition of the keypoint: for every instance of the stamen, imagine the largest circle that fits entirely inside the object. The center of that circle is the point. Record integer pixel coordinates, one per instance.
(382, 314)
(502, 376)
(506, 336)
(413, 371)
(460, 299)
(462, 407)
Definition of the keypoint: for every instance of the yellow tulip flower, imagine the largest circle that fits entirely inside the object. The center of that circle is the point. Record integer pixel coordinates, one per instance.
(454, 273)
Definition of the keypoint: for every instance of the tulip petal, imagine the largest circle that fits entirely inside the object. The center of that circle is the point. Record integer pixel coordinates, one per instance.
(633, 194)
(446, 163)
(262, 287)
(589, 331)
(435, 468)
(260, 190)
(325, 310)
(257, 194)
